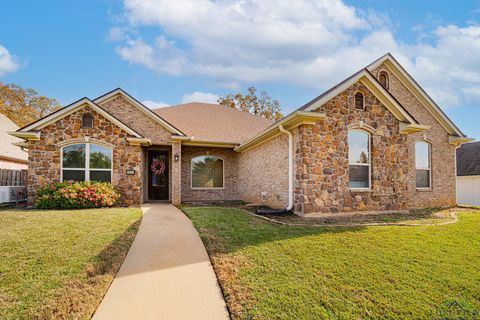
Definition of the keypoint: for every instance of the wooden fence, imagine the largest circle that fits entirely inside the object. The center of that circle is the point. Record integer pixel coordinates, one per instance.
(10, 177)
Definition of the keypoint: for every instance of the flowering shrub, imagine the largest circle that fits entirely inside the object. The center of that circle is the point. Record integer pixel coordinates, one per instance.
(76, 195)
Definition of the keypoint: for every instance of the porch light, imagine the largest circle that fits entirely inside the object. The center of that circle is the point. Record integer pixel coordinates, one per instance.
(176, 157)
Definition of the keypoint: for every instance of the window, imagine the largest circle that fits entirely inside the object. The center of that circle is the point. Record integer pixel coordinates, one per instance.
(422, 165)
(358, 100)
(207, 172)
(383, 79)
(86, 162)
(87, 121)
(359, 159)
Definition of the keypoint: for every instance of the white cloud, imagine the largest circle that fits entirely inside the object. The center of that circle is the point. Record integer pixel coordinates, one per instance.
(303, 42)
(8, 63)
(449, 68)
(154, 104)
(198, 96)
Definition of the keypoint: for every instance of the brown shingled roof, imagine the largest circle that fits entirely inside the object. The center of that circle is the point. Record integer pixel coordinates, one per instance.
(213, 122)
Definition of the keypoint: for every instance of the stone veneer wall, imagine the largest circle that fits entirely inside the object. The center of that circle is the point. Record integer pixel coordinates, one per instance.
(265, 169)
(443, 192)
(137, 120)
(321, 176)
(321, 179)
(229, 192)
(44, 154)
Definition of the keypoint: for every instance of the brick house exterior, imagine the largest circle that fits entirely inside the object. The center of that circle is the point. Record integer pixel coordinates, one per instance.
(302, 162)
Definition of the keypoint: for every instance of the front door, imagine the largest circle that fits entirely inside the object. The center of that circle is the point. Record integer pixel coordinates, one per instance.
(157, 175)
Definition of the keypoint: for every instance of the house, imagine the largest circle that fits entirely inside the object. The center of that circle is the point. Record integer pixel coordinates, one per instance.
(11, 156)
(468, 174)
(375, 141)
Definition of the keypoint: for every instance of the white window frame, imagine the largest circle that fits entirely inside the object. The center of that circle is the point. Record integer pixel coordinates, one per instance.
(369, 164)
(207, 188)
(429, 169)
(87, 168)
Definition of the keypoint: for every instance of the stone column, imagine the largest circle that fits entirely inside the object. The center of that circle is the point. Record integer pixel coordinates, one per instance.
(176, 183)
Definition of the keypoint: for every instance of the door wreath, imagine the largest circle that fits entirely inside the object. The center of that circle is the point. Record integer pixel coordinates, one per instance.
(158, 167)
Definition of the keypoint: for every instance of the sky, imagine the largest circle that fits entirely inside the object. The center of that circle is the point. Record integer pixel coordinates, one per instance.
(167, 52)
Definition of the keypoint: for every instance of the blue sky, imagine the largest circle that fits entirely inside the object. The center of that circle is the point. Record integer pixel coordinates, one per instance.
(168, 52)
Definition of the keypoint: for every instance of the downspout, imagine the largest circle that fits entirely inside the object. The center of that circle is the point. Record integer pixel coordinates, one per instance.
(290, 166)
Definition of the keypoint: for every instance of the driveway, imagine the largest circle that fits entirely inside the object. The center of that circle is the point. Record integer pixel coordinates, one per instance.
(166, 275)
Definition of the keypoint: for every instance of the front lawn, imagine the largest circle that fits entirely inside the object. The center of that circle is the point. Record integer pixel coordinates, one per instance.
(271, 271)
(59, 264)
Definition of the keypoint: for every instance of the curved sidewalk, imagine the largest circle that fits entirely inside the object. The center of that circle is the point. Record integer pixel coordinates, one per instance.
(166, 275)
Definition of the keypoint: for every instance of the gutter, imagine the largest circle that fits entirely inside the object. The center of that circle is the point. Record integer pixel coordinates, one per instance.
(290, 166)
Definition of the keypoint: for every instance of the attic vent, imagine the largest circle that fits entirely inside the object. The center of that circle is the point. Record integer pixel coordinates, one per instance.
(383, 79)
(359, 101)
(87, 121)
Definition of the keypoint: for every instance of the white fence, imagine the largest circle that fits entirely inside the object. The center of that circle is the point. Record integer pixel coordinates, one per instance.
(468, 190)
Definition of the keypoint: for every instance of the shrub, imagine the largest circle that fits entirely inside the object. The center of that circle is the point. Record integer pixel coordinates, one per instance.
(76, 195)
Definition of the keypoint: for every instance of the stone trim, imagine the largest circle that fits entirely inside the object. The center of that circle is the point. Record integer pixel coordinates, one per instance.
(85, 140)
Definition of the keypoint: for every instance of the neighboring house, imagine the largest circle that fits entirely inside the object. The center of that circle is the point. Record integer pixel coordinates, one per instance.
(11, 155)
(468, 174)
(376, 141)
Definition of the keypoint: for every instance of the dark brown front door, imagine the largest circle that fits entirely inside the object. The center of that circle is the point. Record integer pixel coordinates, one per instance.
(157, 182)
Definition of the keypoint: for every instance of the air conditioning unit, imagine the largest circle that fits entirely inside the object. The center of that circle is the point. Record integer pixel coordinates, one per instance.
(12, 194)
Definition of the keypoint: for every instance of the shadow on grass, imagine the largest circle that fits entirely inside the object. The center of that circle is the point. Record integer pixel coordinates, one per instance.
(79, 298)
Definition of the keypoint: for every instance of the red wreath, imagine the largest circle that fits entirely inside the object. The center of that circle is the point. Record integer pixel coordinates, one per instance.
(158, 167)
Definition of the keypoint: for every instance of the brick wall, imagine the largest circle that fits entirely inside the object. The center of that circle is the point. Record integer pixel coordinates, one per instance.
(229, 192)
(443, 192)
(137, 120)
(44, 154)
(265, 169)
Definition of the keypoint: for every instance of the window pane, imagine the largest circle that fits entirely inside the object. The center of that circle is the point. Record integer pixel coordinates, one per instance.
(207, 172)
(74, 175)
(102, 176)
(359, 176)
(422, 157)
(423, 178)
(100, 157)
(74, 156)
(358, 147)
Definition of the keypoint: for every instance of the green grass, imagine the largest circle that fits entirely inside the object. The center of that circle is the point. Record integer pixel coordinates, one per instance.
(270, 271)
(58, 264)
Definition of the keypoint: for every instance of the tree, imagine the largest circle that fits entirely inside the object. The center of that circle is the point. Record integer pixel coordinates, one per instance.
(262, 105)
(24, 106)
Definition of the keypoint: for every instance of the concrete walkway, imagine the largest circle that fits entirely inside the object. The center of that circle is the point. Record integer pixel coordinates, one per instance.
(166, 275)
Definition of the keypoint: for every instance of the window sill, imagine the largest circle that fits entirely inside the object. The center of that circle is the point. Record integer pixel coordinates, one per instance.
(424, 189)
(360, 190)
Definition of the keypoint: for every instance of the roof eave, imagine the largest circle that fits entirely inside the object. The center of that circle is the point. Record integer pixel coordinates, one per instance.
(290, 122)
(458, 141)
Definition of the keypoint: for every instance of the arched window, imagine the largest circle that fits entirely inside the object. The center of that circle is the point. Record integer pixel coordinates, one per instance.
(359, 104)
(359, 159)
(207, 172)
(383, 79)
(423, 165)
(86, 162)
(87, 121)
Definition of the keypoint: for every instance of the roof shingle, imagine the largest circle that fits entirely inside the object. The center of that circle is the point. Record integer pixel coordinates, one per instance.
(468, 159)
(213, 122)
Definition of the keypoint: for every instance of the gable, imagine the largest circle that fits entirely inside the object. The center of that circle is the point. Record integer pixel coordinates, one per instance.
(391, 65)
(34, 128)
(139, 121)
(407, 121)
(117, 100)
